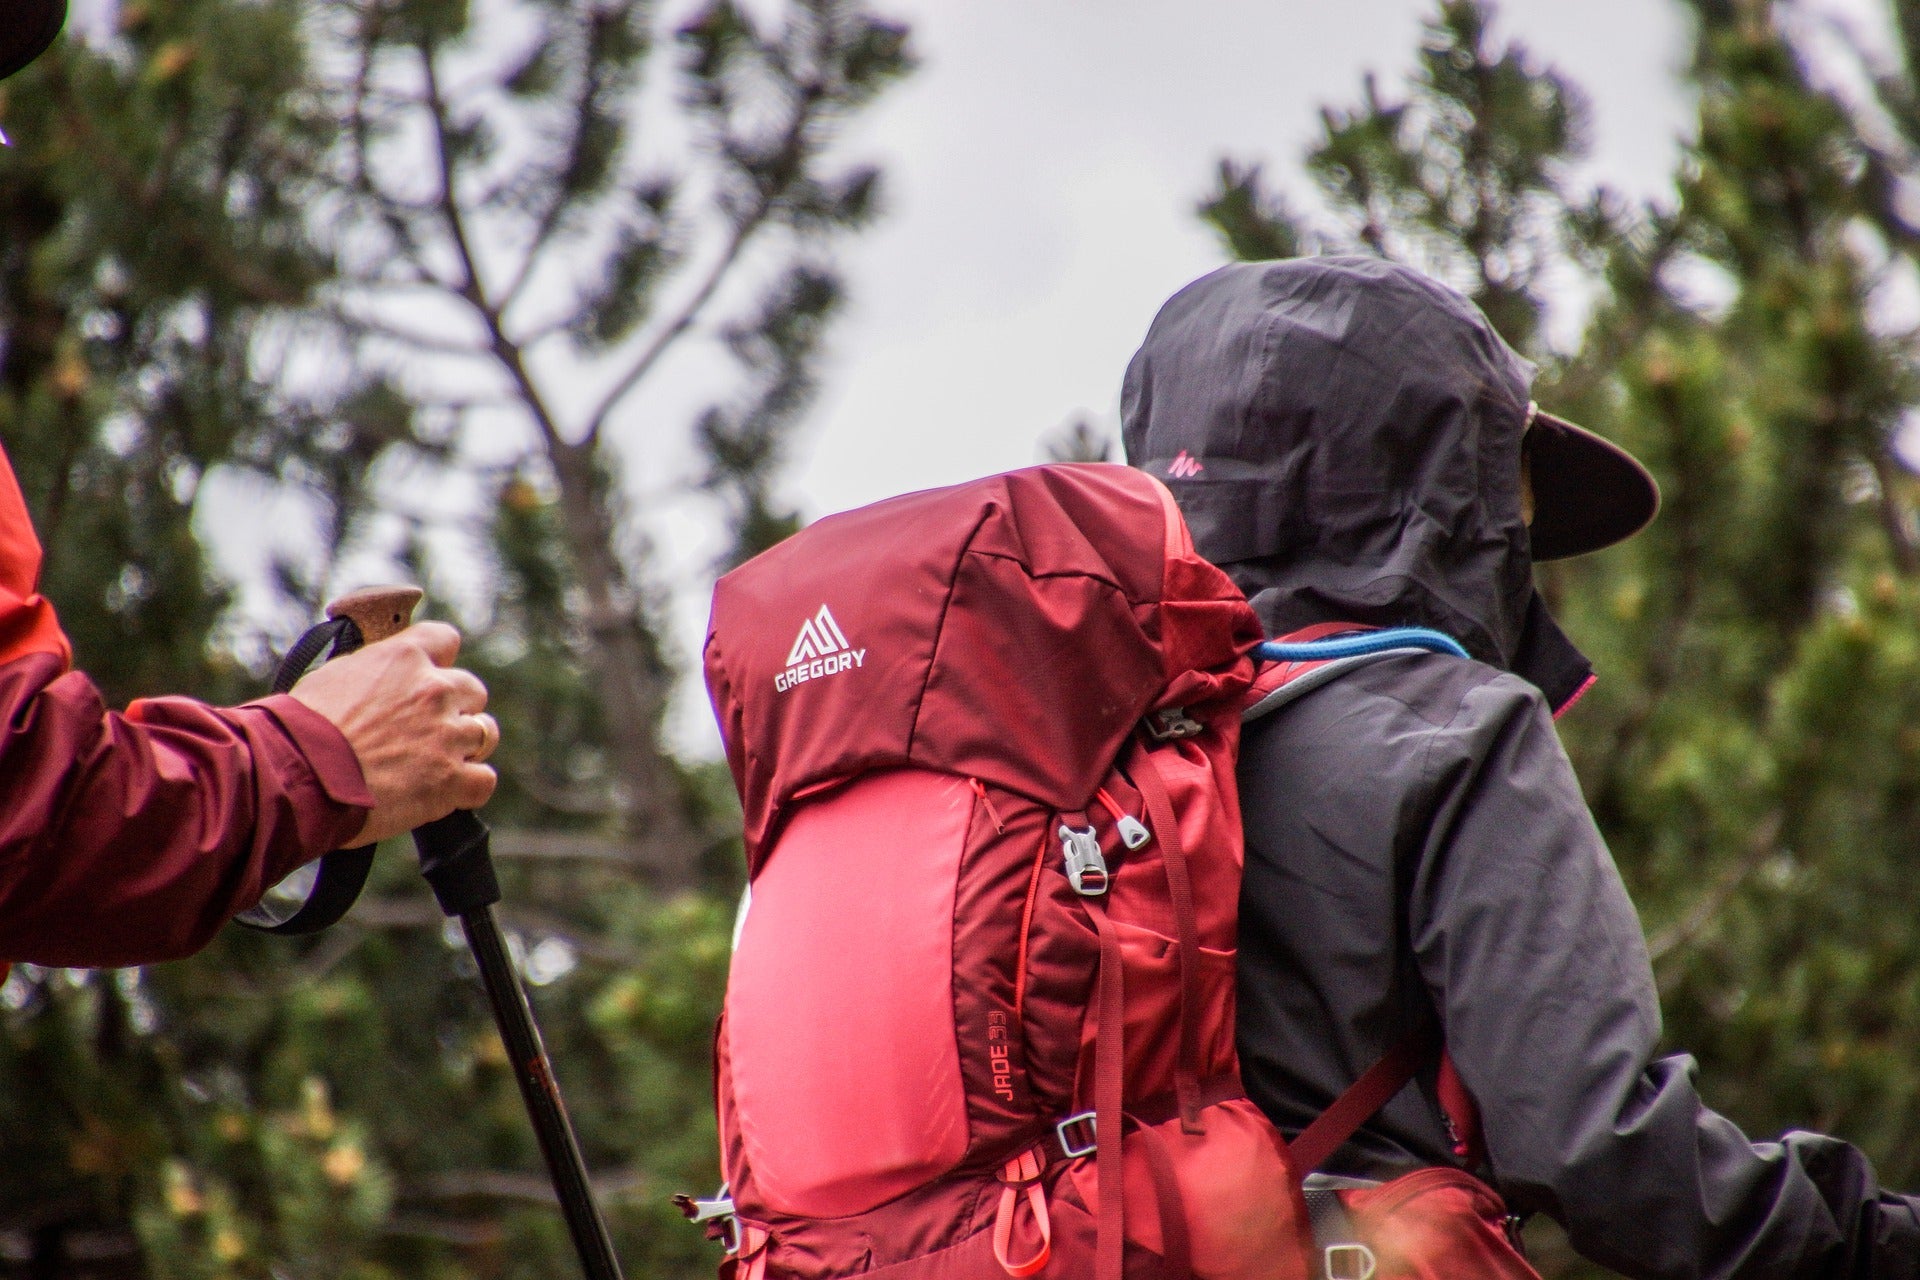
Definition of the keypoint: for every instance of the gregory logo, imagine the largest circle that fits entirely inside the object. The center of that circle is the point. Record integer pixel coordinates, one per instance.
(821, 649)
(1184, 466)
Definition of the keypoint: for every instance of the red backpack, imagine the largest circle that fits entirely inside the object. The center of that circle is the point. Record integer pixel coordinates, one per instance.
(980, 1019)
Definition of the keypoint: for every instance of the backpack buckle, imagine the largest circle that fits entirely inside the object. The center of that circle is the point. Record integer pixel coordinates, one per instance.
(1086, 865)
(1350, 1262)
(1172, 722)
(1070, 1145)
(717, 1213)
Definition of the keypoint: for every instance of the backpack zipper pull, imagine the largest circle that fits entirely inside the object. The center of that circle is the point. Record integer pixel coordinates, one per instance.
(1086, 866)
(1133, 832)
(1172, 723)
(979, 789)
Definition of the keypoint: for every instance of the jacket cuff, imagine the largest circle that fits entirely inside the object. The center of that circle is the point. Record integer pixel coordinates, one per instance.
(335, 768)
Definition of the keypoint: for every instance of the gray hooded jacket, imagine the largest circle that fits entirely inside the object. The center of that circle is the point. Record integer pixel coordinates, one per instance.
(1344, 438)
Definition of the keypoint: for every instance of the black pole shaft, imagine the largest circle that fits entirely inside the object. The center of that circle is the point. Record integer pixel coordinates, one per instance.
(542, 1096)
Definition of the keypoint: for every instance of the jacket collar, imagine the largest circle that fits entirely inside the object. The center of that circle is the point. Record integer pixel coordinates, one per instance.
(1549, 661)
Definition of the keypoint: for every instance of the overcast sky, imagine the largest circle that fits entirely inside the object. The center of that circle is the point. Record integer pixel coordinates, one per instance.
(1043, 166)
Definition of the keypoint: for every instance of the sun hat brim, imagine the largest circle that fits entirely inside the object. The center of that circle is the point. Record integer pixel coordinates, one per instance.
(27, 27)
(1588, 492)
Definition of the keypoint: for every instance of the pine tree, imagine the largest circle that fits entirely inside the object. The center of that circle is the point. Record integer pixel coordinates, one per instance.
(153, 246)
(418, 274)
(1754, 767)
(511, 230)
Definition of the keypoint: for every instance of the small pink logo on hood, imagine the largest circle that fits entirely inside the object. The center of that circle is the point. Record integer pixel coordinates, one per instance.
(1184, 466)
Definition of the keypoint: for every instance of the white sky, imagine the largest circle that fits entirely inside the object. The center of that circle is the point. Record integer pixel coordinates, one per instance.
(1043, 166)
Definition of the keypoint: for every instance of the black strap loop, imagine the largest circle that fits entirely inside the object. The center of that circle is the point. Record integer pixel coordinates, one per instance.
(336, 887)
(343, 873)
(342, 633)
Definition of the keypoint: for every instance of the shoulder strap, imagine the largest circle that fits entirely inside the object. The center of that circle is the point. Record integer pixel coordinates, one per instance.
(1372, 1091)
(1376, 1087)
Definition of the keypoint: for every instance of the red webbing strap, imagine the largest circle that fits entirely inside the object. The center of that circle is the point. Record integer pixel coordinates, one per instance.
(1173, 856)
(751, 1262)
(1462, 1112)
(1164, 1106)
(1363, 1097)
(1109, 1083)
(1021, 1175)
(1176, 1238)
(1026, 929)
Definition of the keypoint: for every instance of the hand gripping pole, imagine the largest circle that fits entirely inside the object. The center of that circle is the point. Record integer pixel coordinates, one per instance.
(356, 619)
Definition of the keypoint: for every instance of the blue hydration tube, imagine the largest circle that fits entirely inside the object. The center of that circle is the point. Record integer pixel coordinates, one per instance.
(1360, 644)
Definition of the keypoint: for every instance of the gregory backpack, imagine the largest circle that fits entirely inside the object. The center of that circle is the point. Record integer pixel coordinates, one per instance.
(979, 1021)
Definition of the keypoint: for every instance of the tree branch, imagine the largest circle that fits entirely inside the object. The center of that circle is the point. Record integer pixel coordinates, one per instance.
(473, 289)
(549, 218)
(563, 846)
(468, 1233)
(365, 326)
(526, 1188)
(744, 227)
(1761, 846)
(422, 913)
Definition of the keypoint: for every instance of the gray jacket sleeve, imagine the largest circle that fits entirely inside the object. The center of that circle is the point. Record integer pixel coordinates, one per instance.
(1534, 958)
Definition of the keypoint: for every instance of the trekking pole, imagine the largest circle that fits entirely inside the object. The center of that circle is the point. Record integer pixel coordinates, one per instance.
(455, 860)
(457, 863)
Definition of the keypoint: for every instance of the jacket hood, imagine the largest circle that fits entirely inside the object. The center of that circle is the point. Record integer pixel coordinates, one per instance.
(1343, 437)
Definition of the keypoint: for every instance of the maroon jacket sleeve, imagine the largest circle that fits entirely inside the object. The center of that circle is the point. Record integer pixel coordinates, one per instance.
(129, 838)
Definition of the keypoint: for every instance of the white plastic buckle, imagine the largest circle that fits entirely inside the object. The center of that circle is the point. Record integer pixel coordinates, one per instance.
(1350, 1262)
(721, 1207)
(1086, 865)
(1072, 1149)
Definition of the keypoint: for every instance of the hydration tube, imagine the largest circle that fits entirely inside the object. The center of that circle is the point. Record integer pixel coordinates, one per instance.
(1360, 644)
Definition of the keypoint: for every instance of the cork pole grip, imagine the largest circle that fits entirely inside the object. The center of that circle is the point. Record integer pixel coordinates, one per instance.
(379, 612)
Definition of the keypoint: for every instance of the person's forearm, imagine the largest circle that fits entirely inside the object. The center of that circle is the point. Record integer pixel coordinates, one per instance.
(131, 838)
(1534, 956)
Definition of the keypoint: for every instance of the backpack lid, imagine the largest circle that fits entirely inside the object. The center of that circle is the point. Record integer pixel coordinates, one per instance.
(1012, 629)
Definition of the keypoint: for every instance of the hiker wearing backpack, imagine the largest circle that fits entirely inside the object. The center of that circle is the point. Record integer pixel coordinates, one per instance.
(1355, 445)
(130, 838)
